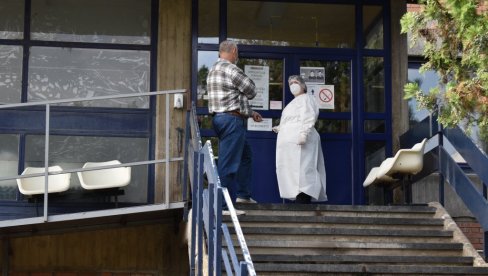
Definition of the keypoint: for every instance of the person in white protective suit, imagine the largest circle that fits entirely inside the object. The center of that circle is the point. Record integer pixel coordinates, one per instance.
(300, 166)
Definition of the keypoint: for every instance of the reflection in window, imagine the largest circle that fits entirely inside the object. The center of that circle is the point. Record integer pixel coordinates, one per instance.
(374, 126)
(117, 21)
(274, 68)
(374, 84)
(333, 126)
(205, 61)
(205, 121)
(373, 27)
(11, 19)
(427, 80)
(208, 21)
(65, 73)
(338, 74)
(71, 152)
(9, 159)
(291, 24)
(10, 73)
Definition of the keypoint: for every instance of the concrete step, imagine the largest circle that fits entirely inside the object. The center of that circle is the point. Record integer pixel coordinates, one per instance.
(308, 239)
(385, 232)
(350, 259)
(298, 220)
(364, 269)
(345, 234)
(423, 208)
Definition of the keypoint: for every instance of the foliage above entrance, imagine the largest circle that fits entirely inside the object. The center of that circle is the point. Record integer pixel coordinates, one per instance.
(455, 38)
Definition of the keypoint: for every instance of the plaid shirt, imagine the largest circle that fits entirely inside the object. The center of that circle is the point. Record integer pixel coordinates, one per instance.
(229, 89)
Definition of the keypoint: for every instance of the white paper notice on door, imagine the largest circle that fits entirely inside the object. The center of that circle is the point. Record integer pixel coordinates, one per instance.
(260, 76)
(265, 125)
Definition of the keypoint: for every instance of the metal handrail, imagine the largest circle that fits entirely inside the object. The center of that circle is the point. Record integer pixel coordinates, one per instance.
(449, 170)
(207, 214)
(48, 104)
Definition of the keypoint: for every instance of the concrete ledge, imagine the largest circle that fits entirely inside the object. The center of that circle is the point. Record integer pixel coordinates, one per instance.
(450, 224)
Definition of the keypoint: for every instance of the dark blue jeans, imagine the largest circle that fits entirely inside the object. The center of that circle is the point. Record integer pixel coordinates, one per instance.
(235, 155)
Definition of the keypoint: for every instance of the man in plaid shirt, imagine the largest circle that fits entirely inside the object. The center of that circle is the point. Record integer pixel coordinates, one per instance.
(229, 92)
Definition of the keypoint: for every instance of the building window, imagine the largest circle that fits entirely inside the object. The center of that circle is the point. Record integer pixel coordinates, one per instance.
(291, 24)
(10, 73)
(72, 152)
(77, 49)
(117, 21)
(9, 161)
(65, 73)
(12, 19)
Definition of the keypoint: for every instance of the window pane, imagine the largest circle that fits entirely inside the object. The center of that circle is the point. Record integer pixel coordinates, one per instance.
(338, 74)
(10, 73)
(373, 27)
(65, 73)
(205, 121)
(291, 24)
(11, 19)
(9, 161)
(273, 85)
(429, 79)
(103, 21)
(71, 152)
(333, 126)
(205, 60)
(374, 126)
(374, 155)
(374, 84)
(208, 21)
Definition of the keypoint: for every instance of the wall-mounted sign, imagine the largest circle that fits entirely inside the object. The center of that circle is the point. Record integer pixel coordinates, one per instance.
(264, 125)
(313, 75)
(260, 76)
(324, 95)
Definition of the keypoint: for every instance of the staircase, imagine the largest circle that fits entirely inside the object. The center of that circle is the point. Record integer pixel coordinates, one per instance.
(294, 239)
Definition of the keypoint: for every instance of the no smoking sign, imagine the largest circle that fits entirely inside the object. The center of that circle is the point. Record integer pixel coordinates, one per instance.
(325, 96)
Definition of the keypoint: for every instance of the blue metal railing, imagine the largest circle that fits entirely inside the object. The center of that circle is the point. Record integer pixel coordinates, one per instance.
(207, 213)
(475, 200)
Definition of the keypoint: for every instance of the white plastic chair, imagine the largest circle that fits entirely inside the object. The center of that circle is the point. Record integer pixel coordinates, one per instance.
(35, 185)
(405, 161)
(104, 178)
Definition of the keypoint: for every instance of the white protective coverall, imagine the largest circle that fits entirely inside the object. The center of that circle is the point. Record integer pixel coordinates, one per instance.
(300, 168)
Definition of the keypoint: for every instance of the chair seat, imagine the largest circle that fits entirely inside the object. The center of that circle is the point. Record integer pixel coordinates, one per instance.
(405, 161)
(35, 185)
(104, 178)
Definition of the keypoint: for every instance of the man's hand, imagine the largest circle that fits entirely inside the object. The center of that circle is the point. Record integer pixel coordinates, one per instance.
(257, 117)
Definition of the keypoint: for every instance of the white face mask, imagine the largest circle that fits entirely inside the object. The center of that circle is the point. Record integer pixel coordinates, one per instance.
(295, 89)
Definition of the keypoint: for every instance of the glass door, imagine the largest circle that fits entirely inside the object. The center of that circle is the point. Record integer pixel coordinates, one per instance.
(329, 80)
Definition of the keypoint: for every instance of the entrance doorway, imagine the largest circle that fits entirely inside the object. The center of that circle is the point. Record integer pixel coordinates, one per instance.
(329, 79)
(346, 43)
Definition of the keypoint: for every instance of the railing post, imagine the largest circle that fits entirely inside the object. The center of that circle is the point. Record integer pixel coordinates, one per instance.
(46, 161)
(211, 228)
(166, 149)
(194, 214)
(485, 244)
(200, 215)
(218, 231)
(441, 175)
(243, 269)
(185, 165)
